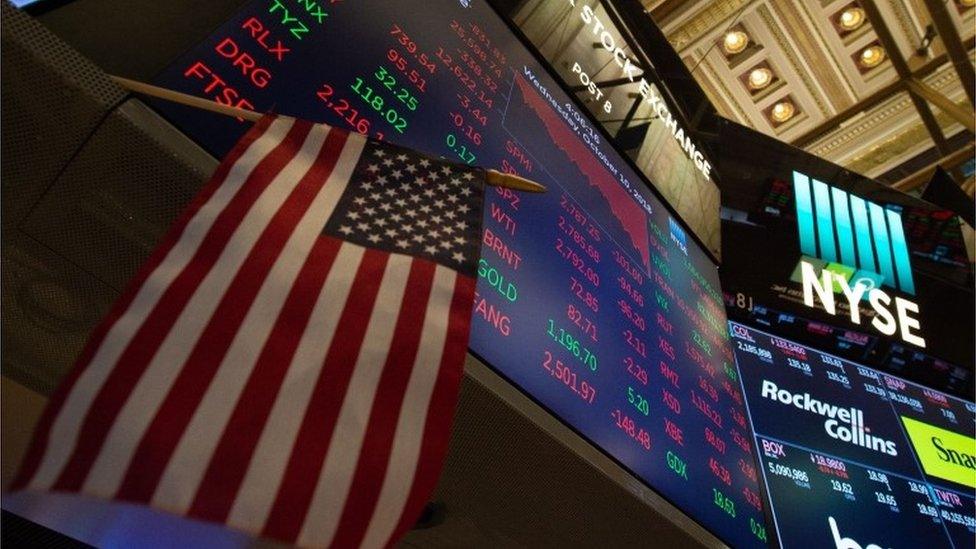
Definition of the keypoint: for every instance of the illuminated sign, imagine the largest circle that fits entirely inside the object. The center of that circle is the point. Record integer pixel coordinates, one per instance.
(885, 322)
(606, 39)
(842, 228)
(844, 424)
(943, 454)
(860, 245)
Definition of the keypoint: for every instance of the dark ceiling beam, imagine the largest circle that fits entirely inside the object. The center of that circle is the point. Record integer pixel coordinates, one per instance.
(888, 42)
(924, 175)
(870, 101)
(960, 114)
(954, 47)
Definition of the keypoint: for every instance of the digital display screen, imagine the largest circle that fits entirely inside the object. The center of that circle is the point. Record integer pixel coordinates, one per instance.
(592, 298)
(853, 457)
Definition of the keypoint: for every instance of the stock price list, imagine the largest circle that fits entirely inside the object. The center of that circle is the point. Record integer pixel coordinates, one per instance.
(851, 453)
(591, 297)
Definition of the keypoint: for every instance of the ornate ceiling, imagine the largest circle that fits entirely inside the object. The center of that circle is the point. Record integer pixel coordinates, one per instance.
(830, 76)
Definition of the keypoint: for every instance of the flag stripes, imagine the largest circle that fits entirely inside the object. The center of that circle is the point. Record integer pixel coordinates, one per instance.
(264, 373)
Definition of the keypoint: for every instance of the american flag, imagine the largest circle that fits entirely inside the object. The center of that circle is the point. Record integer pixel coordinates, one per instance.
(288, 360)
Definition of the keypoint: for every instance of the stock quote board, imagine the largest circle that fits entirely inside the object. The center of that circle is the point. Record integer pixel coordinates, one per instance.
(853, 457)
(592, 298)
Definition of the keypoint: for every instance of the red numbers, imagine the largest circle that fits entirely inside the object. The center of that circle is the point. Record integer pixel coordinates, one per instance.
(708, 388)
(578, 238)
(720, 471)
(579, 319)
(632, 315)
(400, 62)
(628, 268)
(586, 297)
(640, 374)
(577, 262)
(636, 344)
(570, 379)
(715, 441)
(629, 426)
(631, 291)
(344, 110)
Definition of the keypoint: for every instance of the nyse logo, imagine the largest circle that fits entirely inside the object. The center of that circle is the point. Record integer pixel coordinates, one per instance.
(846, 543)
(845, 230)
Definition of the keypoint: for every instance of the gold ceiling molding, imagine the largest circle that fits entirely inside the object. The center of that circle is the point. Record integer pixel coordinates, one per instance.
(894, 108)
(698, 26)
(896, 146)
(829, 75)
(774, 29)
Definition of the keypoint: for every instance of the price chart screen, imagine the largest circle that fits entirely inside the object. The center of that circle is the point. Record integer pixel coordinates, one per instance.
(592, 298)
(850, 453)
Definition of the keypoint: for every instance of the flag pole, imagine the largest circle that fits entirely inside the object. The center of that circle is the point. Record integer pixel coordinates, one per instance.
(492, 177)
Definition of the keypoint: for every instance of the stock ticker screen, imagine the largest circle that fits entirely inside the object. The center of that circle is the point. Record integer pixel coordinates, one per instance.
(592, 298)
(853, 457)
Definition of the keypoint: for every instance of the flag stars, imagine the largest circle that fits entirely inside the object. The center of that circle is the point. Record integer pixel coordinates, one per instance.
(446, 244)
(467, 176)
(424, 163)
(369, 211)
(374, 238)
(458, 256)
(346, 230)
(430, 249)
(402, 157)
(362, 226)
(353, 215)
(402, 243)
(411, 168)
(396, 174)
(373, 168)
(391, 233)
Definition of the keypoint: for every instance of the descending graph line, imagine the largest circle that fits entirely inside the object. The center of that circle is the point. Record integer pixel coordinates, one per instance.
(642, 249)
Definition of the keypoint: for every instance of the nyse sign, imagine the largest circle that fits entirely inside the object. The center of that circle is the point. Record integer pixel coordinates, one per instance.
(821, 287)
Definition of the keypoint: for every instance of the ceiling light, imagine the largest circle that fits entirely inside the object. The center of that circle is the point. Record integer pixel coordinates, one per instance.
(872, 56)
(782, 111)
(967, 3)
(851, 18)
(760, 78)
(735, 42)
